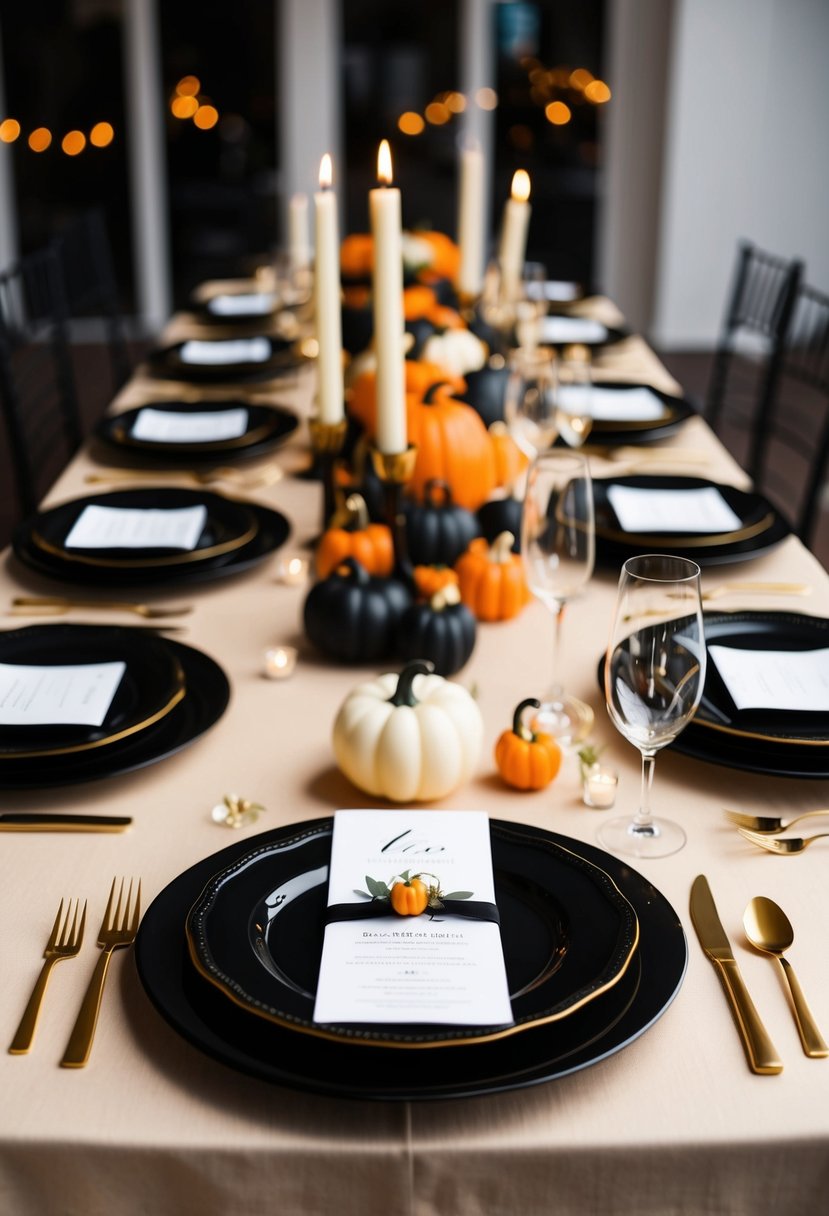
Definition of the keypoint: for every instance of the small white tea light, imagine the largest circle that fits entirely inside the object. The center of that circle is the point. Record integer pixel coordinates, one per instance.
(293, 571)
(280, 662)
(599, 788)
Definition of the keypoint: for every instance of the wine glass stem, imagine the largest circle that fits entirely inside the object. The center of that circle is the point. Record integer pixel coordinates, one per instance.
(557, 609)
(643, 820)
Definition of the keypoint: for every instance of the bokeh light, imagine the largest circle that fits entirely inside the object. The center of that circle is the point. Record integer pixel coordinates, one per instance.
(9, 130)
(597, 92)
(410, 123)
(102, 134)
(188, 86)
(558, 113)
(40, 139)
(184, 107)
(437, 113)
(486, 98)
(73, 143)
(205, 117)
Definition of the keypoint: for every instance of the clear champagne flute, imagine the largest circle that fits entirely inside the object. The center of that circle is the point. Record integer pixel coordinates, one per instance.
(530, 399)
(558, 552)
(654, 676)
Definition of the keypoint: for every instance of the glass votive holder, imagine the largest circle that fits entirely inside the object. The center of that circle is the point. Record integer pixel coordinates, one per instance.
(599, 786)
(292, 571)
(280, 662)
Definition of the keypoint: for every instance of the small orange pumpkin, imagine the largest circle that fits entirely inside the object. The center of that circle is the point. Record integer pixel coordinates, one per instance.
(446, 256)
(409, 897)
(527, 759)
(491, 579)
(510, 461)
(418, 301)
(369, 544)
(357, 256)
(431, 579)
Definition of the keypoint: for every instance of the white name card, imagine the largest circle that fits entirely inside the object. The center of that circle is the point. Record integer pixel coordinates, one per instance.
(610, 404)
(775, 679)
(572, 329)
(136, 528)
(170, 426)
(73, 695)
(227, 351)
(694, 511)
(243, 304)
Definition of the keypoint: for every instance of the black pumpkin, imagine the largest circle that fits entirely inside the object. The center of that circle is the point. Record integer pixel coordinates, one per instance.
(501, 515)
(437, 530)
(441, 629)
(357, 328)
(421, 330)
(352, 616)
(486, 389)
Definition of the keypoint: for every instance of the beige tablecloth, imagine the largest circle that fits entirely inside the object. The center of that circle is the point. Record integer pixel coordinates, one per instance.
(673, 1124)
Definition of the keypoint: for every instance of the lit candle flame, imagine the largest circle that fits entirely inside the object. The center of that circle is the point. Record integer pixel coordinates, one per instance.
(384, 175)
(520, 186)
(326, 172)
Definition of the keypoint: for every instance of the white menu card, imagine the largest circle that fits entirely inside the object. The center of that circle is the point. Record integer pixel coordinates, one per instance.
(697, 511)
(448, 969)
(242, 304)
(229, 350)
(572, 329)
(611, 404)
(136, 528)
(775, 679)
(71, 695)
(172, 426)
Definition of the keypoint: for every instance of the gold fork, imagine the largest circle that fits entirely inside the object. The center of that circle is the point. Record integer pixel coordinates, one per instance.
(781, 844)
(268, 475)
(64, 941)
(118, 928)
(714, 593)
(59, 603)
(769, 824)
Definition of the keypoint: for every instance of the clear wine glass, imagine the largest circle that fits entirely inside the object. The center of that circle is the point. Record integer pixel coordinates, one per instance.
(530, 399)
(573, 395)
(531, 306)
(558, 551)
(654, 676)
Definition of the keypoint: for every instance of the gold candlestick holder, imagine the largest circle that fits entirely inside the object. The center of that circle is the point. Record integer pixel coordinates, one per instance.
(395, 469)
(327, 439)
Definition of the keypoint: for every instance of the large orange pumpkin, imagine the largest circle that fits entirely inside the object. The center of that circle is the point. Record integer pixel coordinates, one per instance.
(420, 376)
(452, 446)
(357, 256)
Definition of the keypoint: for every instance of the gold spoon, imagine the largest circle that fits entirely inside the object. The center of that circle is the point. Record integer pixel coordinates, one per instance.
(769, 930)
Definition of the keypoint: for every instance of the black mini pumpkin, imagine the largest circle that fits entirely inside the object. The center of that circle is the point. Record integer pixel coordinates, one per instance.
(441, 629)
(437, 530)
(487, 388)
(352, 616)
(501, 515)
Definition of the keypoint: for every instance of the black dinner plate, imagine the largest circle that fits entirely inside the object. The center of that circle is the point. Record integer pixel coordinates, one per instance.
(206, 699)
(267, 427)
(243, 533)
(761, 525)
(257, 933)
(204, 1016)
(151, 686)
(635, 431)
(209, 310)
(283, 357)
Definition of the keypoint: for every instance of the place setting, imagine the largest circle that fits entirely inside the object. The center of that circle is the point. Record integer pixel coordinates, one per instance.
(243, 956)
(83, 702)
(148, 535)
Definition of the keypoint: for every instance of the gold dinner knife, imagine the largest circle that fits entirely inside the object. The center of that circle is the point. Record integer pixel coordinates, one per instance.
(760, 1051)
(59, 822)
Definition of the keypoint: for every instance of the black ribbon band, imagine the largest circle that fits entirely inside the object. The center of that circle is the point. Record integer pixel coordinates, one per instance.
(472, 909)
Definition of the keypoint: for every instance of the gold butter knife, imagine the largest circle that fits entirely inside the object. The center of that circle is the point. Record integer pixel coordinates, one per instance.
(760, 1052)
(59, 822)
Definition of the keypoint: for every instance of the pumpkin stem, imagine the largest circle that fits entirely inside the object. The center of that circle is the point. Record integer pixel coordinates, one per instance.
(501, 549)
(349, 568)
(518, 726)
(445, 597)
(429, 395)
(357, 510)
(403, 694)
(437, 483)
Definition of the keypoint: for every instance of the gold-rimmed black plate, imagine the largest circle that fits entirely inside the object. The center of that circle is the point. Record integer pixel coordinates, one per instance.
(257, 930)
(278, 356)
(227, 1032)
(266, 426)
(152, 685)
(613, 432)
(760, 529)
(205, 700)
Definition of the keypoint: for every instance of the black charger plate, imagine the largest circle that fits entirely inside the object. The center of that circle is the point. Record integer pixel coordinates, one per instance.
(267, 427)
(228, 520)
(635, 431)
(284, 357)
(761, 526)
(206, 699)
(215, 1025)
(151, 686)
(257, 934)
(609, 337)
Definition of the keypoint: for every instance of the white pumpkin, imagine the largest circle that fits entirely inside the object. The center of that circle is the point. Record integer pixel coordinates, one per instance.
(457, 351)
(410, 738)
